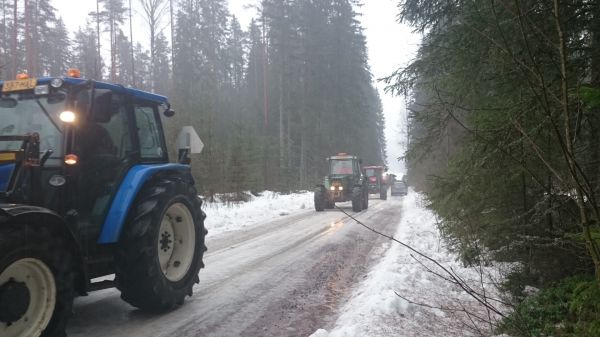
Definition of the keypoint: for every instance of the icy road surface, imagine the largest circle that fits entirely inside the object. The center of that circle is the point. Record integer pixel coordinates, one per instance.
(283, 277)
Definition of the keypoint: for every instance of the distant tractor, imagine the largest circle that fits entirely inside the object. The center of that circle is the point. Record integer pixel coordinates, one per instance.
(376, 181)
(344, 182)
(399, 188)
(86, 191)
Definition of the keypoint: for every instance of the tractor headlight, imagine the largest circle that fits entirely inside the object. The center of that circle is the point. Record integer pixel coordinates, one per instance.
(67, 116)
(332, 188)
(341, 188)
(56, 82)
(41, 90)
(57, 180)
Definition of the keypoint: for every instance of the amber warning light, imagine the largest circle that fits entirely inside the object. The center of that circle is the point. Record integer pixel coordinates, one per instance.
(73, 72)
(71, 159)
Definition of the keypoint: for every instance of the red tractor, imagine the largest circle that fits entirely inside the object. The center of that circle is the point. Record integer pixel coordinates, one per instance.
(375, 180)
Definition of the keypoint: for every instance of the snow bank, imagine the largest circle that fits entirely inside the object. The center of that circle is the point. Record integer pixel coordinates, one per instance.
(270, 205)
(375, 310)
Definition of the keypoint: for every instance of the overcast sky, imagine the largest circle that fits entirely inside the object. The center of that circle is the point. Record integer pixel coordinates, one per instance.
(391, 45)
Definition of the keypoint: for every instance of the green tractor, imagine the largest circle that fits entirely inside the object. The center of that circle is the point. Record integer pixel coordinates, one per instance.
(87, 191)
(344, 182)
(376, 180)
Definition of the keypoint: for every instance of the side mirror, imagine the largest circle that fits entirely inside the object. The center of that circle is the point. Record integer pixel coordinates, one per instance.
(188, 142)
(169, 112)
(102, 107)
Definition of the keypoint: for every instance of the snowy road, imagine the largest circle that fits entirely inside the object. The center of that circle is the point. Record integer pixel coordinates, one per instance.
(285, 277)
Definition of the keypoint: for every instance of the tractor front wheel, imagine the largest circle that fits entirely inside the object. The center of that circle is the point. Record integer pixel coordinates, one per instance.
(36, 282)
(161, 248)
(319, 200)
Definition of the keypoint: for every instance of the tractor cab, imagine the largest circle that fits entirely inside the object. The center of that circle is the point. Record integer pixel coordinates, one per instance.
(66, 144)
(344, 165)
(86, 191)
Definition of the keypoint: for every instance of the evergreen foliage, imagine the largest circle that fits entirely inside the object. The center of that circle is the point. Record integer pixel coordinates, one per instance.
(504, 130)
(270, 103)
(570, 308)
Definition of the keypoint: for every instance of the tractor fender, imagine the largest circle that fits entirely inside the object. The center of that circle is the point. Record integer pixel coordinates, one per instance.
(15, 214)
(135, 178)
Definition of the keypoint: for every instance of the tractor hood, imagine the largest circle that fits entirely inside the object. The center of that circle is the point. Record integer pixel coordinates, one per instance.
(344, 179)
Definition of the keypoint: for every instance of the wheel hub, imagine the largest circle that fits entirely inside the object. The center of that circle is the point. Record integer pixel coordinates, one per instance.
(176, 242)
(14, 301)
(27, 298)
(165, 241)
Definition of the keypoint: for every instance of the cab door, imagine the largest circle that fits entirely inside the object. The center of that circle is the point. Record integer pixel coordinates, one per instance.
(104, 143)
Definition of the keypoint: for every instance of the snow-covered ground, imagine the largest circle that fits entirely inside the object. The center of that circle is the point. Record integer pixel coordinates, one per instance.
(270, 205)
(375, 310)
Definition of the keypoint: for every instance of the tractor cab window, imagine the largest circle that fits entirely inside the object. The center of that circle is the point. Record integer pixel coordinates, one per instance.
(342, 167)
(26, 113)
(370, 172)
(148, 133)
(108, 136)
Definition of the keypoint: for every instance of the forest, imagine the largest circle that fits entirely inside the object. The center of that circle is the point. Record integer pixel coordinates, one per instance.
(270, 101)
(504, 141)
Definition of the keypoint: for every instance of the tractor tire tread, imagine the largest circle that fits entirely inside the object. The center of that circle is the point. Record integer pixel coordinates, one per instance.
(24, 240)
(138, 274)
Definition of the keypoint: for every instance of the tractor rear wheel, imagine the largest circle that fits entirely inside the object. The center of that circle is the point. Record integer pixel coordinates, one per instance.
(365, 204)
(357, 199)
(319, 200)
(161, 248)
(36, 282)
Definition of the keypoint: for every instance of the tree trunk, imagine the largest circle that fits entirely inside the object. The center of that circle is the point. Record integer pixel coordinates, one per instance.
(14, 39)
(131, 41)
(282, 162)
(113, 51)
(581, 203)
(4, 40)
(97, 75)
(28, 56)
(290, 156)
(172, 38)
(36, 42)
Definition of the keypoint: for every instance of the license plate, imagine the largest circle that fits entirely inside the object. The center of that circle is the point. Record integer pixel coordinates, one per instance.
(19, 85)
(8, 156)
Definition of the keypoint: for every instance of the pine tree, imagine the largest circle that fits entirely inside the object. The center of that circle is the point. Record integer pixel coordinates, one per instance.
(161, 66)
(154, 12)
(112, 16)
(56, 57)
(85, 57)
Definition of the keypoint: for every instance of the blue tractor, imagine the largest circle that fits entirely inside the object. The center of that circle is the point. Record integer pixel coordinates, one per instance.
(87, 191)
